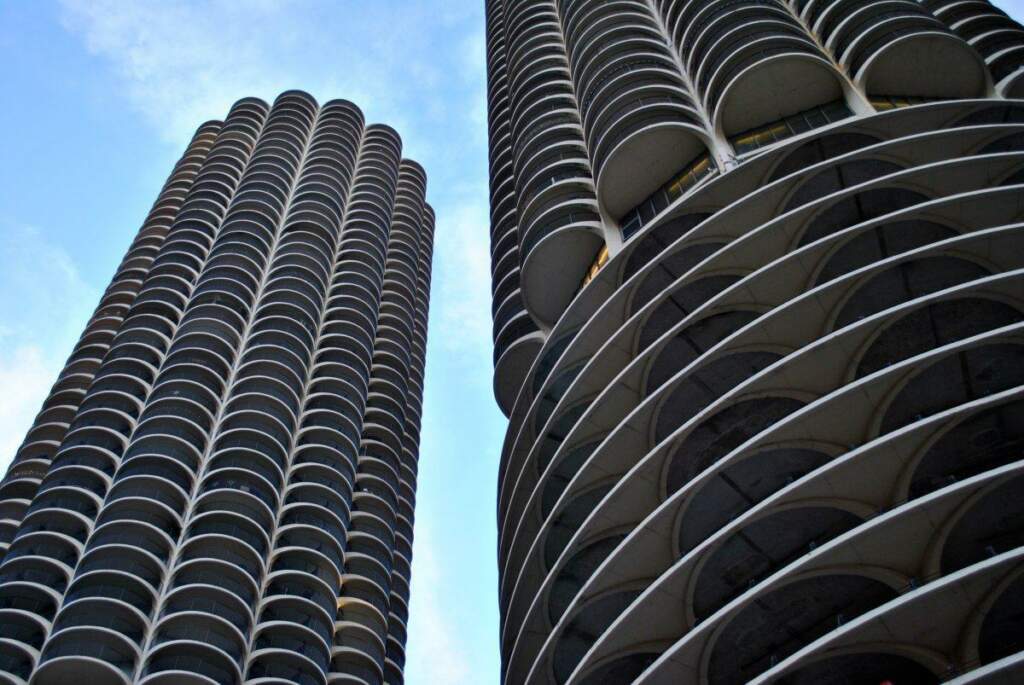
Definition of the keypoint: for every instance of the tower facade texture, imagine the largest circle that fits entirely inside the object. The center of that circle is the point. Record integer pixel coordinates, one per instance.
(758, 300)
(220, 486)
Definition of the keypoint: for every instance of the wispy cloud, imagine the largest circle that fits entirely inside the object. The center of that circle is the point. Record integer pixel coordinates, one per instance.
(47, 307)
(465, 294)
(434, 647)
(184, 62)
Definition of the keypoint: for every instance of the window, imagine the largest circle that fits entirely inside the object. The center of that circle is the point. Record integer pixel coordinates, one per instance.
(795, 124)
(599, 261)
(883, 103)
(695, 171)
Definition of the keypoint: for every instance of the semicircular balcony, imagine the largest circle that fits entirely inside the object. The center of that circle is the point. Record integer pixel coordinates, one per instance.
(212, 548)
(960, 140)
(353, 666)
(89, 654)
(17, 658)
(567, 233)
(998, 38)
(188, 663)
(768, 79)
(516, 346)
(640, 122)
(896, 47)
(98, 612)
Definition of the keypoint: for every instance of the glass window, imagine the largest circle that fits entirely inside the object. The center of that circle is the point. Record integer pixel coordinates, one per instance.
(790, 126)
(689, 176)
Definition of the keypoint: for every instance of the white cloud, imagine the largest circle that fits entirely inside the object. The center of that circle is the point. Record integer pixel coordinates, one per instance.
(49, 304)
(185, 62)
(433, 647)
(26, 375)
(464, 294)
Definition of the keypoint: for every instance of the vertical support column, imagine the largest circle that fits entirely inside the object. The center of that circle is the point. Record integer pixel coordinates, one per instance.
(200, 624)
(326, 446)
(516, 335)
(298, 581)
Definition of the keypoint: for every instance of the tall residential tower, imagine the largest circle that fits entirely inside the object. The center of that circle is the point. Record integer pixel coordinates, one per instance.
(758, 298)
(220, 486)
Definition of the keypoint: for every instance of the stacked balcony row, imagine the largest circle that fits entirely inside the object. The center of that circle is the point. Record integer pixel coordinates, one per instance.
(398, 618)
(380, 537)
(515, 334)
(33, 458)
(996, 37)
(58, 540)
(201, 520)
(603, 114)
(726, 442)
(556, 210)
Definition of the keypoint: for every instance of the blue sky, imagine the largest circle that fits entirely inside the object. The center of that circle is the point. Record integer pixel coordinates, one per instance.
(99, 100)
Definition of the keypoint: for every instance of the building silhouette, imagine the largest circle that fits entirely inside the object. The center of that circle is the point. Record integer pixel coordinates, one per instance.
(758, 300)
(220, 486)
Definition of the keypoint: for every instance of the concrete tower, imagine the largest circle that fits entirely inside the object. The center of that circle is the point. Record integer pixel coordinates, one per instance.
(220, 486)
(759, 331)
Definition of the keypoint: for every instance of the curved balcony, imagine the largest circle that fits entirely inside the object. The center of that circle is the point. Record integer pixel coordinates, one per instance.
(566, 234)
(971, 591)
(188, 663)
(898, 48)
(641, 125)
(960, 276)
(277, 664)
(213, 548)
(297, 616)
(117, 616)
(970, 139)
(515, 358)
(131, 560)
(986, 28)
(841, 142)
(220, 573)
(352, 666)
(769, 80)
(99, 655)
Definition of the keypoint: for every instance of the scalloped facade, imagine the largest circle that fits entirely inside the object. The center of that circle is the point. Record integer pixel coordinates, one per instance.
(220, 486)
(767, 410)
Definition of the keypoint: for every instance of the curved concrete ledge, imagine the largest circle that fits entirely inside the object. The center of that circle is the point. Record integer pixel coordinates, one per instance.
(1006, 671)
(642, 162)
(603, 304)
(928, 64)
(554, 270)
(926, 621)
(774, 88)
(755, 253)
(620, 448)
(1013, 85)
(73, 669)
(512, 367)
(845, 483)
(580, 418)
(652, 544)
